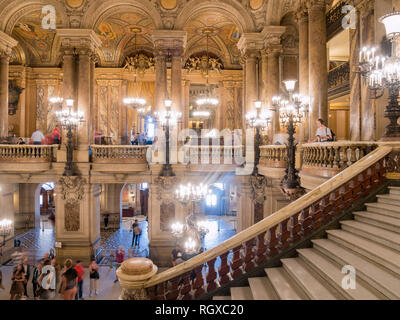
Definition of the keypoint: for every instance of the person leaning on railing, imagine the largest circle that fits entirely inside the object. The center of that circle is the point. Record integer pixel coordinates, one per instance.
(323, 134)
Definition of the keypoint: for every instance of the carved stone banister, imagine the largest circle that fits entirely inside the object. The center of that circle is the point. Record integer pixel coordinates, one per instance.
(119, 154)
(273, 234)
(274, 156)
(26, 153)
(216, 154)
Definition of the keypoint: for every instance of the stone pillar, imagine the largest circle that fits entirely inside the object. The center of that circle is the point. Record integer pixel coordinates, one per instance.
(318, 63)
(93, 108)
(84, 98)
(78, 219)
(245, 206)
(6, 45)
(161, 92)
(273, 52)
(69, 78)
(186, 105)
(367, 29)
(302, 19)
(176, 80)
(7, 212)
(355, 82)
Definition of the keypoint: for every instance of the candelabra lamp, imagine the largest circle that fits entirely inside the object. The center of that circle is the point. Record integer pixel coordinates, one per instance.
(168, 120)
(193, 231)
(6, 227)
(69, 120)
(291, 113)
(383, 73)
(259, 120)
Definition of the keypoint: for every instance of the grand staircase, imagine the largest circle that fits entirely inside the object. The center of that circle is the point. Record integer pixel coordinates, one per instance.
(370, 243)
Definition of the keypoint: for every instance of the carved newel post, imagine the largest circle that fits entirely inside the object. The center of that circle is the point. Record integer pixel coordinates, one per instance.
(132, 276)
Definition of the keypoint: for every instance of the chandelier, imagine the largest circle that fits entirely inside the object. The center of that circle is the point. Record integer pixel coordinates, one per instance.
(137, 64)
(207, 101)
(168, 117)
(68, 118)
(193, 231)
(384, 73)
(259, 118)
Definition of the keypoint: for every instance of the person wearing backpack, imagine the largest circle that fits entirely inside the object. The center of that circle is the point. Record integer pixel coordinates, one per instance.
(323, 134)
(137, 231)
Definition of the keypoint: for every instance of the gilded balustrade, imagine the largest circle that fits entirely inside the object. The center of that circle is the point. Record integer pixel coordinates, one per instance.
(26, 153)
(119, 154)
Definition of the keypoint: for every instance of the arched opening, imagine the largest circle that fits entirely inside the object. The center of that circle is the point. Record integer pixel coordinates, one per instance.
(45, 206)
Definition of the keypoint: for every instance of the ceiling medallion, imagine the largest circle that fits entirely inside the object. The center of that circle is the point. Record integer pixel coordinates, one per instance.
(169, 4)
(74, 3)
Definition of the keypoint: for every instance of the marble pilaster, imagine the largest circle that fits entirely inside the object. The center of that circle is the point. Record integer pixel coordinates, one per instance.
(318, 63)
(6, 45)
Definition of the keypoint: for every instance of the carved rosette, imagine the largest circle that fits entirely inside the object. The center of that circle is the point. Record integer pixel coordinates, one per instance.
(258, 184)
(72, 192)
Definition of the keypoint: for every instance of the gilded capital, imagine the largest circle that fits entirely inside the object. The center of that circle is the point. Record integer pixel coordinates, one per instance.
(6, 45)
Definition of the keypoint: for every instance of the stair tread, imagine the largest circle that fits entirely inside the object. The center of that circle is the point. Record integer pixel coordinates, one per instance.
(334, 274)
(395, 198)
(283, 285)
(222, 298)
(384, 278)
(241, 293)
(310, 281)
(378, 232)
(394, 188)
(385, 206)
(378, 250)
(378, 217)
(262, 289)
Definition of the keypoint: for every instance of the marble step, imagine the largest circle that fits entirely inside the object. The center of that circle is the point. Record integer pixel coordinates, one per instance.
(378, 220)
(383, 256)
(389, 199)
(312, 284)
(384, 209)
(241, 293)
(394, 190)
(284, 285)
(382, 280)
(379, 235)
(262, 289)
(332, 274)
(223, 298)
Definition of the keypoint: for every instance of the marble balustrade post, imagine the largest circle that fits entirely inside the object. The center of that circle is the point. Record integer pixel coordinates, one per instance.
(318, 63)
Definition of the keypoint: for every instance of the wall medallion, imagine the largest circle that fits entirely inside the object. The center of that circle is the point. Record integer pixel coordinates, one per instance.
(74, 3)
(169, 4)
(256, 4)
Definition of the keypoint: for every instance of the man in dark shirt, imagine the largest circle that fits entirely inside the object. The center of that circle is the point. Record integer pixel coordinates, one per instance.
(177, 255)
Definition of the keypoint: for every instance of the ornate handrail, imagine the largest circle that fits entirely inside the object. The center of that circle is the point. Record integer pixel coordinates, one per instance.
(335, 155)
(334, 20)
(119, 154)
(26, 153)
(272, 235)
(274, 156)
(339, 80)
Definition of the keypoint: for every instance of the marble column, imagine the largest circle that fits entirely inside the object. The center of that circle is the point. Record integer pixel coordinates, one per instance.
(84, 98)
(302, 19)
(6, 45)
(185, 114)
(92, 124)
(367, 29)
(69, 78)
(355, 82)
(273, 52)
(161, 92)
(176, 80)
(318, 63)
(251, 80)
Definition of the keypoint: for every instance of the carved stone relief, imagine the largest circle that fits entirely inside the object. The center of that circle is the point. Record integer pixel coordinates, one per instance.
(258, 184)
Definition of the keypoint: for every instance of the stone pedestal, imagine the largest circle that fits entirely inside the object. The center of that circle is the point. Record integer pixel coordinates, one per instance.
(77, 223)
(132, 276)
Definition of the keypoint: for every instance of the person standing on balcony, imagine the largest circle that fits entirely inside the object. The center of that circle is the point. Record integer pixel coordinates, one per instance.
(37, 137)
(323, 134)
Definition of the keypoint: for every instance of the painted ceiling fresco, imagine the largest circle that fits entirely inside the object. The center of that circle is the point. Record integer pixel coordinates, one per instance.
(224, 33)
(29, 32)
(117, 33)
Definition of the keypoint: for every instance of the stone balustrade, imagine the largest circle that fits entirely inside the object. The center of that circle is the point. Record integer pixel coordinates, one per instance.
(26, 153)
(119, 154)
(213, 154)
(273, 156)
(334, 155)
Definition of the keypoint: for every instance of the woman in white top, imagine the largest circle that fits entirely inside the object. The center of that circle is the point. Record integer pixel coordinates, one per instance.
(323, 134)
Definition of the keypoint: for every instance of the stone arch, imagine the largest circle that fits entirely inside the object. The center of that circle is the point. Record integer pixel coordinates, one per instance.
(232, 9)
(15, 10)
(276, 9)
(102, 9)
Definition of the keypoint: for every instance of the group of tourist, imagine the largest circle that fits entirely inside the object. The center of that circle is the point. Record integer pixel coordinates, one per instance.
(38, 138)
(49, 279)
(140, 139)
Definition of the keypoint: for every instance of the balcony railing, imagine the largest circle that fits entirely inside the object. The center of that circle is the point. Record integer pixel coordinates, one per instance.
(339, 81)
(334, 20)
(335, 155)
(213, 154)
(273, 156)
(26, 153)
(119, 154)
